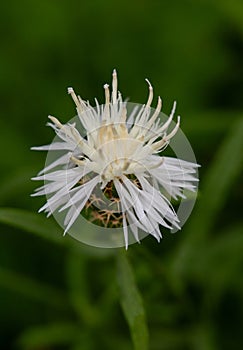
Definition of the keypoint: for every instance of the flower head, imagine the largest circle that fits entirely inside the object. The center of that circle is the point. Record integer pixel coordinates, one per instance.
(115, 173)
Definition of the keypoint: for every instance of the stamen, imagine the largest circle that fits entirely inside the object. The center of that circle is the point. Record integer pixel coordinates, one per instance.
(119, 96)
(167, 123)
(106, 114)
(55, 121)
(166, 138)
(77, 161)
(74, 96)
(124, 115)
(75, 134)
(107, 94)
(174, 131)
(114, 87)
(82, 104)
(156, 113)
(150, 97)
(97, 106)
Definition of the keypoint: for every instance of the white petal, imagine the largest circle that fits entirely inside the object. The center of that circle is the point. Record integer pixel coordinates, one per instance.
(55, 146)
(125, 230)
(75, 210)
(83, 192)
(60, 161)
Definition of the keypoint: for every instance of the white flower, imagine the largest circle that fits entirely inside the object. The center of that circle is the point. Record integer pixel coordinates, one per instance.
(121, 156)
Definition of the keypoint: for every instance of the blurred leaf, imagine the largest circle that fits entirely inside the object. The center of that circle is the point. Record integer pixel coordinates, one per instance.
(132, 304)
(86, 341)
(197, 337)
(166, 338)
(232, 10)
(218, 181)
(33, 289)
(225, 167)
(33, 223)
(223, 255)
(15, 183)
(78, 289)
(116, 340)
(47, 229)
(193, 54)
(210, 121)
(49, 335)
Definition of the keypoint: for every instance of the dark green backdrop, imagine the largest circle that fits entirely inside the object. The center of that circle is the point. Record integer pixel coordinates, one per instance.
(58, 294)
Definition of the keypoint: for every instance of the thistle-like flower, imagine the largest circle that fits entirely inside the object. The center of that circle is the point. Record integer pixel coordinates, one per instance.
(120, 157)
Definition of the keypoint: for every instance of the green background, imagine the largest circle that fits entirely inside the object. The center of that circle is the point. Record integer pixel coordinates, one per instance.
(56, 293)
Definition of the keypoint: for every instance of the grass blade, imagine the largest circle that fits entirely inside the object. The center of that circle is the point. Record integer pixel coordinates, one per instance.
(214, 192)
(47, 229)
(132, 304)
(33, 223)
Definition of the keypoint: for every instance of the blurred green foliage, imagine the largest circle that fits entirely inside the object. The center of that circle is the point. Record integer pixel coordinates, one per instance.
(56, 293)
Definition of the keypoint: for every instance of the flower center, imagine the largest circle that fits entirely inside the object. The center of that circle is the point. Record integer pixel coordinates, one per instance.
(104, 208)
(116, 149)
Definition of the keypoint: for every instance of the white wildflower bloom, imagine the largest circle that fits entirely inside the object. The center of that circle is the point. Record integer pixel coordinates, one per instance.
(120, 157)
